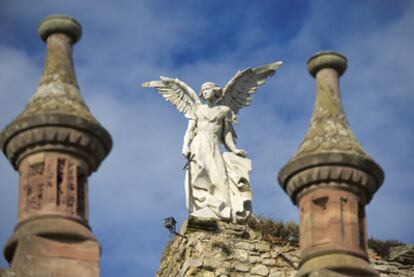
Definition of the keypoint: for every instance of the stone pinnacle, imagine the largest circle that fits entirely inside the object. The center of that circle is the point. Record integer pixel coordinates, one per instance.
(57, 100)
(329, 139)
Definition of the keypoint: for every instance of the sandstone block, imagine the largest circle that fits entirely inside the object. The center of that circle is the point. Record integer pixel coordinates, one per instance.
(244, 245)
(269, 262)
(7, 273)
(242, 267)
(266, 256)
(190, 263)
(403, 254)
(254, 259)
(260, 270)
(207, 274)
(238, 274)
(262, 247)
(276, 273)
(241, 255)
(223, 270)
(212, 262)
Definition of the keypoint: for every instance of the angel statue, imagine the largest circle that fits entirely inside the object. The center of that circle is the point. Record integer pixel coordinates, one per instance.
(216, 184)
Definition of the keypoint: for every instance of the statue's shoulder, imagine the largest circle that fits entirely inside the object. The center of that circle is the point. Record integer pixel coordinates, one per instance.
(225, 109)
(193, 112)
(196, 108)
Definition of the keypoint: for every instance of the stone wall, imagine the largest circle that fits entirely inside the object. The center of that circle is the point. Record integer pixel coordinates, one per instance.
(217, 249)
(390, 268)
(214, 248)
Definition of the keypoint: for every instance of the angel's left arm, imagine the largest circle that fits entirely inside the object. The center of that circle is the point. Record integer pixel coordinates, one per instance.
(229, 136)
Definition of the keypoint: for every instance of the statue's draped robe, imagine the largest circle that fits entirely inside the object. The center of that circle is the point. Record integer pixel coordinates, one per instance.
(216, 187)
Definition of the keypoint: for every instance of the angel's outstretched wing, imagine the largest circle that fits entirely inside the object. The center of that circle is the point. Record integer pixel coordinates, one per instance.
(178, 93)
(238, 91)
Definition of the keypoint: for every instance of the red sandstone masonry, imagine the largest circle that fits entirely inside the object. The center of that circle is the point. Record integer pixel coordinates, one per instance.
(55, 144)
(331, 179)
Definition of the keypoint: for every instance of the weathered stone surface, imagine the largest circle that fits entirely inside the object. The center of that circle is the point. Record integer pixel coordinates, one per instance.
(55, 144)
(266, 255)
(222, 253)
(223, 269)
(329, 130)
(389, 268)
(7, 273)
(254, 259)
(243, 267)
(53, 183)
(60, 24)
(199, 223)
(276, 273)
(329, 140)
(57, 101)
(260, 270)
(244, 245)
(238, 274)
(402, 254)
(326, 273)
(241, 255)
(215, 261)
(331, 179)
(262, 247)
(269, 261)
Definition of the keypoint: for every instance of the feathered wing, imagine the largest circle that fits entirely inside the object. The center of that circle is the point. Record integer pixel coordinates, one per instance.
(238, 91)
(178, 93)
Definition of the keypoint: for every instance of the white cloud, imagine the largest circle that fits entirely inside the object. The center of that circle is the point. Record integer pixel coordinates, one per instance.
(17, 82)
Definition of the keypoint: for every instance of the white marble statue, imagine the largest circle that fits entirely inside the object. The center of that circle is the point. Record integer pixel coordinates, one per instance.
(216, 183)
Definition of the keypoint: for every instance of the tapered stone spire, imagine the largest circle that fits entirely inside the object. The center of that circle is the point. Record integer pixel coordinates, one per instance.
(55, 144)
(331, 179)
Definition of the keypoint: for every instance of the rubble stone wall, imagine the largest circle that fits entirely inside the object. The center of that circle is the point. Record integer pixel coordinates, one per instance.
(218, 249)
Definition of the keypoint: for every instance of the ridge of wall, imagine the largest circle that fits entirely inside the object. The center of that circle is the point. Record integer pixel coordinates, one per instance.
(213, 248)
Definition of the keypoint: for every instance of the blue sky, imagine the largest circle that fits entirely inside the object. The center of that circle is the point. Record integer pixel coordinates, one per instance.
(127, 42)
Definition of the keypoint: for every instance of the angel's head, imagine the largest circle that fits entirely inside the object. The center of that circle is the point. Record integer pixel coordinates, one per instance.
(209, 90)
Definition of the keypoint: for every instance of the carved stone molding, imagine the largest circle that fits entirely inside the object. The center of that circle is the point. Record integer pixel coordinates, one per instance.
(53, 183)
(57, 104)
(56, 138)
(57, 97)
(55, 143)
(329, 130)
(329, 140)
(56, 227)
(332, 221)
(338, 177)
(331, 179)
(336, 265)
(60, 24)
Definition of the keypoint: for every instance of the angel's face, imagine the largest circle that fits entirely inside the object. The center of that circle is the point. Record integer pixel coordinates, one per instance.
(208, 92)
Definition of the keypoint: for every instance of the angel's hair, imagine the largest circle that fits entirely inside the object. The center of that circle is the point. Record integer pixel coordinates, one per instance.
(218, 91)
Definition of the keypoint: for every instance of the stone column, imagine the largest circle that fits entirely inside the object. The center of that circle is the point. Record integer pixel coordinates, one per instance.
(331, 179)
(55, 144)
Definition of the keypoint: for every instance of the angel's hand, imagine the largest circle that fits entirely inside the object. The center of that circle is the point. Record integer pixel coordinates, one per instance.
(240, 152)
(186, 152)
